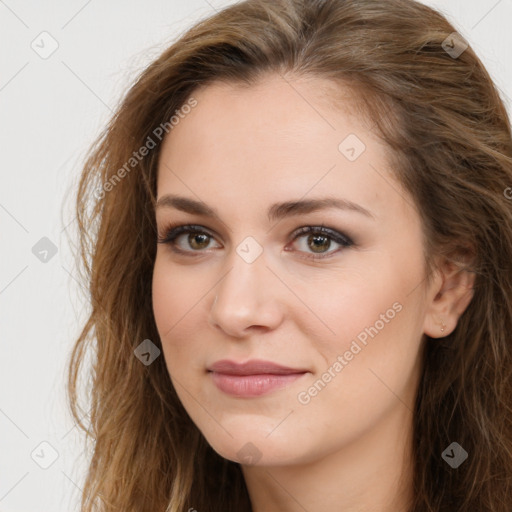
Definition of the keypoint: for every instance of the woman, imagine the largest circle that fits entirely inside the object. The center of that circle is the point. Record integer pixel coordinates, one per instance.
(299, 261)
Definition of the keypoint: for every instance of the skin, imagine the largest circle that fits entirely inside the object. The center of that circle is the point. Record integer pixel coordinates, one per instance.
(240, 150)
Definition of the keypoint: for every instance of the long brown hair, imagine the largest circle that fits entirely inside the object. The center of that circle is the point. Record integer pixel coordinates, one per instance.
(450, 143)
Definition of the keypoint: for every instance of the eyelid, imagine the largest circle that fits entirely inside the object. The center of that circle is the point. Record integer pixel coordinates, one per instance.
(173, 230)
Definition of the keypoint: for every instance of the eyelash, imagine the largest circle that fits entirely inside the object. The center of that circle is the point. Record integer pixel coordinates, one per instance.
(173, 231)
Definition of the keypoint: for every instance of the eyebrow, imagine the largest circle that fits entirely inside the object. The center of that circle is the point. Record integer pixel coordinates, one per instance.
(276, 211)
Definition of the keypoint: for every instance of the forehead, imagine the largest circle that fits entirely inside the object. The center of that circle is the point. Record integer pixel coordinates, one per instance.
(278, 140)
(275, 104)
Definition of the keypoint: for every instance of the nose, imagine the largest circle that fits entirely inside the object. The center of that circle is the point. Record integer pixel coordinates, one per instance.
(247, 299)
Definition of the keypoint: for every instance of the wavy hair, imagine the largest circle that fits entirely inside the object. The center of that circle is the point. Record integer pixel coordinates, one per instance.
(449, 140)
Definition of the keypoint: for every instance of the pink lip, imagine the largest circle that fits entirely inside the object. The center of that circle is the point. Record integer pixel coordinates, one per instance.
(253, 378)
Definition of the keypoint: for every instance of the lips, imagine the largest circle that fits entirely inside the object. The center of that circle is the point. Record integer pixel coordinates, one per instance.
(253, 367)
(253, 378)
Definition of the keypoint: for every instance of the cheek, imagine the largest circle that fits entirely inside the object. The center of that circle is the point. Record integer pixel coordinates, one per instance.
(175, 296)
(181, 317)
(368, 368)
(358, 303)
(377, 322)
(175, 302)
(164, 300)
(374, 325)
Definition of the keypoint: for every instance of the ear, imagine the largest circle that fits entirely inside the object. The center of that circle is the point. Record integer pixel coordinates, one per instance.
(450, 293)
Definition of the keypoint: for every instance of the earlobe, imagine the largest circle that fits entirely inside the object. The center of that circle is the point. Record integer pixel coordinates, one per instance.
(451, 293)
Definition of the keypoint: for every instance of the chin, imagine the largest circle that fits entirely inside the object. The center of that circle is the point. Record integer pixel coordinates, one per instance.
(256, 450)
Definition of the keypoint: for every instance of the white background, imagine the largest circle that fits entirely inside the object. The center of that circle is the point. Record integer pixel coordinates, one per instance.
(51, 110)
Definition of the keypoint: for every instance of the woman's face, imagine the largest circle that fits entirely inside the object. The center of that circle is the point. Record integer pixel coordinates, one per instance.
(344, 308)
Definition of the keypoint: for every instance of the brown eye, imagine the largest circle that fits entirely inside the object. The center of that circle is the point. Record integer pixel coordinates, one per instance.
(319, 240)
(318, 243)
(198, 241)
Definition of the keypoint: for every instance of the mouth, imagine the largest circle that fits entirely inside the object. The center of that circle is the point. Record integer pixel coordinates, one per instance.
(253, 378)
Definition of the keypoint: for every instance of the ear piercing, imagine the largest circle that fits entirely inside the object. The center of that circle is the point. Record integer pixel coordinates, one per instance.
(442, 326)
